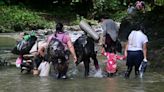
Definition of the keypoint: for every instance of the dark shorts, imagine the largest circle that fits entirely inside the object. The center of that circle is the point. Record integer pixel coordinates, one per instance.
(134, 58)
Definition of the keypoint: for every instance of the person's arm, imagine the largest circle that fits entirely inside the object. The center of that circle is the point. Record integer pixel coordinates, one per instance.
(104, 53)
(120, 57)
(40, 67)
(145, 51)
(126, 48)
(41, 49)
(72, 50)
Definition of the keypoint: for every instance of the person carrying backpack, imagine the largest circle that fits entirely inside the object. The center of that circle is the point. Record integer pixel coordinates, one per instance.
(64, 38)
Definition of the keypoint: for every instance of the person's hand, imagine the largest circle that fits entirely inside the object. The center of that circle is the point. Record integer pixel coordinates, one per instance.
(125, 54)
(75, 59)
(124, 57)
(103, 50)
(145, 60)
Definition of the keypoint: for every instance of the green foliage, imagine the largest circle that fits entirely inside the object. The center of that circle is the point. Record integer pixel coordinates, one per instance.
(106, 5)
(18, 18)
(113, 8)
(119, 15)
(159, 2)
(63, 13)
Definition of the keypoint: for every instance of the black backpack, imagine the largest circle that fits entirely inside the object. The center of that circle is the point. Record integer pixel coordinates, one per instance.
(56, 49)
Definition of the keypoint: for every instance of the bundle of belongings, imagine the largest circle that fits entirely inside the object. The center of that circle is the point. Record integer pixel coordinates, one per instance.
(24, 46)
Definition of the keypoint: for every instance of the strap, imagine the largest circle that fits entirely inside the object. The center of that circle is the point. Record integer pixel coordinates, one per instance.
(62, 37)
(37, 45)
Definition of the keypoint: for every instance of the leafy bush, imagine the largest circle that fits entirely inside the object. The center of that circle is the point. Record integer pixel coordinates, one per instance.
(119, 15)
(18, 18)
(112, 8)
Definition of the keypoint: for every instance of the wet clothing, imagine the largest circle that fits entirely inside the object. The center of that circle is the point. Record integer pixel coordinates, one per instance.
(111, 65)
(59, 57)
(135, 56)
(44, 69)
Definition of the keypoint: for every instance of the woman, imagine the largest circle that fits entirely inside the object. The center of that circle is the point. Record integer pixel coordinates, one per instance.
(135, 50)
(64, 38)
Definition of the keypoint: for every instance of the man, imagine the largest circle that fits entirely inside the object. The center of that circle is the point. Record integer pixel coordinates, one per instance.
(109, 35)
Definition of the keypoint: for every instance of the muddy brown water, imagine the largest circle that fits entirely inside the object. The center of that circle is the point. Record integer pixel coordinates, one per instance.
(11, 80)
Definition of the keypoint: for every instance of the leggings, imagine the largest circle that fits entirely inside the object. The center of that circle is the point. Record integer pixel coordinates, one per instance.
(134, 58)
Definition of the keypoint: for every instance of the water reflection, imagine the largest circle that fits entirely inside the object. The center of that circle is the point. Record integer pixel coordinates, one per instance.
(112, 85)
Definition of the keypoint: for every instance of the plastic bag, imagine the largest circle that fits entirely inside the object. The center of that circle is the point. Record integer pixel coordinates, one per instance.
(19, 61)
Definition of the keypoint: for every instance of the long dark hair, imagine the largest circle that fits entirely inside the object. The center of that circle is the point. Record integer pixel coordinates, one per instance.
(140, 26)
(59, 28)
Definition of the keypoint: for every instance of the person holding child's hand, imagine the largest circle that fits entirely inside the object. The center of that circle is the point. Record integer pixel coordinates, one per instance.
(136, 50)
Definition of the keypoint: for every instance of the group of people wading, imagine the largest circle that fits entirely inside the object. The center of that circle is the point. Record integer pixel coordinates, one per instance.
(57, 47)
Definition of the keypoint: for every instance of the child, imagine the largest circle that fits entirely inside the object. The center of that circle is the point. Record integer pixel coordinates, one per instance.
(111, 65)
(44, 68)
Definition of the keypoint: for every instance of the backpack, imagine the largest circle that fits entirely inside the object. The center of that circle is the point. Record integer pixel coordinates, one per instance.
(56, 49)
(24, 46)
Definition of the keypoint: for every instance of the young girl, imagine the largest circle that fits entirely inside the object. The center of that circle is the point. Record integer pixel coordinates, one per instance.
(44, 69)
(111, 64)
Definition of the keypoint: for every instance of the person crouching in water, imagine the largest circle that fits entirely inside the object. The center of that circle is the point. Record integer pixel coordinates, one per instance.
(111, 64)
(44, 68)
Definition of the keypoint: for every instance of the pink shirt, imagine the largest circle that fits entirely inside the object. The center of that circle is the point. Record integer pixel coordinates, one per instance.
(111, 66)
(63, 37)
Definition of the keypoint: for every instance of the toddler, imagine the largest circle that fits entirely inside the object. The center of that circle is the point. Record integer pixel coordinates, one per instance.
(111, 64)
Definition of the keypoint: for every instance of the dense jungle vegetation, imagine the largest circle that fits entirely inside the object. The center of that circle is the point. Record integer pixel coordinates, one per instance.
(23, 15)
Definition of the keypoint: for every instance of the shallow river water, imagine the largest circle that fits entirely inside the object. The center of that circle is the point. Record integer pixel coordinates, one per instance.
(11, 80)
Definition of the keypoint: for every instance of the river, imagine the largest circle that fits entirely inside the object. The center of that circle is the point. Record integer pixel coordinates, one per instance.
(11, 80)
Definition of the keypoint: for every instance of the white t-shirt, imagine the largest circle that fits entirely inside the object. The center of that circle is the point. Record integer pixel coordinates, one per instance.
(44, 69)
(136, 40)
